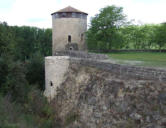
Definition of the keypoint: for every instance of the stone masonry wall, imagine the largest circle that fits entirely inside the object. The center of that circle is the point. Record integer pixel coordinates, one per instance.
(81, 54)
(55, 70)
(94, 93)
(124, 70)
(57, 66)
(91, 97)
(63, 27)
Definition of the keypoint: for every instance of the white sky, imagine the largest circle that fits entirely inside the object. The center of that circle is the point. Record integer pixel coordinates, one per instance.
(37, 12)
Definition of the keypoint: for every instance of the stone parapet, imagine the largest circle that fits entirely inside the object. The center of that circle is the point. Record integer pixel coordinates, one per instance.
(56, 68)
(124, 70)
(81, 54)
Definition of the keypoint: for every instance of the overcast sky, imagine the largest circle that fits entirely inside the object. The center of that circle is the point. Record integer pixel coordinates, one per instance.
(37, 12)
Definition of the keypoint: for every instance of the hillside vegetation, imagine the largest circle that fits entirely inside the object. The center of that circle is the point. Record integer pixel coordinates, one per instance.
(22, 51)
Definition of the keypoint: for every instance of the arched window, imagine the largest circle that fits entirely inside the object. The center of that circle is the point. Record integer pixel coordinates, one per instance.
(69, 38)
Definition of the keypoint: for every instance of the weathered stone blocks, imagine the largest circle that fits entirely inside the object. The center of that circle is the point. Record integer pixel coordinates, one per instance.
(57, 66)
(55, 69)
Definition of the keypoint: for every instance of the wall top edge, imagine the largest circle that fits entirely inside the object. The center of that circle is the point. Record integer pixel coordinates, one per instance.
(56, 57)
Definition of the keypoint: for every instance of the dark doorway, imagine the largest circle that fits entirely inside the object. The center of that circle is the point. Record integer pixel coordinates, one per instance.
(69, 38)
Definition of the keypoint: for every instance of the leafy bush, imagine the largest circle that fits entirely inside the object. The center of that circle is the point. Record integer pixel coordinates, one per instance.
(37, 112)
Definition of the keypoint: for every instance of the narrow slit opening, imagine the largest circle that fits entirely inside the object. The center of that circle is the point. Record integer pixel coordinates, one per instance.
(69, 38)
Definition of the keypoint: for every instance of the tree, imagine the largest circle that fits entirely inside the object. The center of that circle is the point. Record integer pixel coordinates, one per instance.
(160, 36)
(22, 51)
(103, 33)
(35, 70)
(139, 37)
(6, 39)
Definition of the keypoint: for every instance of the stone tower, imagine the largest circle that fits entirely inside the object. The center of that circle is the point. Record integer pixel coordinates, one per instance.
(68, 29)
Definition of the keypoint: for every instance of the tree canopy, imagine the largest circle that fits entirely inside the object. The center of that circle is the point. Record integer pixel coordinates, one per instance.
(104, 30)
(22, 51)
(160, 36)
(110, 30)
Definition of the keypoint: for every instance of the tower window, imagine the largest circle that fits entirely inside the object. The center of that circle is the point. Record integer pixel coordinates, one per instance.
(82, 36)
(69, 38)
(51, 84)
(64, 14)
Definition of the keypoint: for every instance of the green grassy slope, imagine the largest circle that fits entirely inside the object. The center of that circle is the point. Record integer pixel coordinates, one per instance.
(147, 58)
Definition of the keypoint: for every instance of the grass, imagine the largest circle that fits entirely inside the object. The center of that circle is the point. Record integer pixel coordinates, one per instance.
(150, 59)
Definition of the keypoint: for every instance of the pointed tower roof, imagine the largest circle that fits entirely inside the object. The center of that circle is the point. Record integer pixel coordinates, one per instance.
(69, 9)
